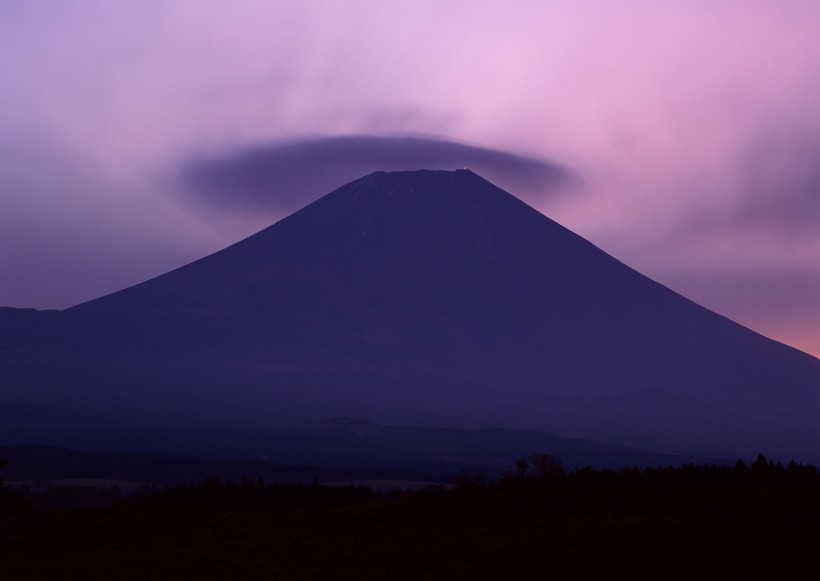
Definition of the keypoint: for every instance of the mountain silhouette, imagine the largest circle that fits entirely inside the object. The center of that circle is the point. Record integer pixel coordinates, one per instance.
(424, 297)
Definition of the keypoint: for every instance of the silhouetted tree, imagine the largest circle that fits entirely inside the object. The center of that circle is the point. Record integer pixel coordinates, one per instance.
(760, 464)
(547, 465)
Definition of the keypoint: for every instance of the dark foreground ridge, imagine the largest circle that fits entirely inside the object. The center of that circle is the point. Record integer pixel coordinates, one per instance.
(425, 298)
(757, 520)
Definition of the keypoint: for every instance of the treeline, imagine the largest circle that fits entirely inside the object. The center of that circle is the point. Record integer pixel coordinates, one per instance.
(245, 495)
(69, 497)
(540, 481)
(761, 493)
(250, 494)
(755, 520)
(760, 474)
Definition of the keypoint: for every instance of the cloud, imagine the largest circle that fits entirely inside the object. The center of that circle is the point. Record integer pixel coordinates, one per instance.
(70, 231)
(778, 302)
(781, 185)
(284, 176)
(694, 125)
(790, 290)
(771, 202)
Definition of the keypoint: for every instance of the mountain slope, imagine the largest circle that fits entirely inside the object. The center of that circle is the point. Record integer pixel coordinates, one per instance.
(432, 298)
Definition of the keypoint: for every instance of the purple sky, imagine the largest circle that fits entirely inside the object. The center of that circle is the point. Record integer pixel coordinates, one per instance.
(690, 131)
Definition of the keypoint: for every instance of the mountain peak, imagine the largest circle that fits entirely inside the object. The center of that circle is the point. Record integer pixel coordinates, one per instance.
(420, 182)
(435, 297)
(454, 201)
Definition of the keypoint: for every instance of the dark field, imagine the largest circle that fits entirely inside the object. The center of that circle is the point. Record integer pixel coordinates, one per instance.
(761, 521)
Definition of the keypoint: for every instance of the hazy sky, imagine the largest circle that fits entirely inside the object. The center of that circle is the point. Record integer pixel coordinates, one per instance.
(681, 137)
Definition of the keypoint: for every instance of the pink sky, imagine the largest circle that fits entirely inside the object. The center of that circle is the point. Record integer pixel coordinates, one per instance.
(693, 125)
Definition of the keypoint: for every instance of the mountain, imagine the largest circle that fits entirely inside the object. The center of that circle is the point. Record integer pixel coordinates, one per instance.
(423, 297)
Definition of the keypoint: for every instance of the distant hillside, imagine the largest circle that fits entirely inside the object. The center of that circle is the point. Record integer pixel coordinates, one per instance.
(340, 449)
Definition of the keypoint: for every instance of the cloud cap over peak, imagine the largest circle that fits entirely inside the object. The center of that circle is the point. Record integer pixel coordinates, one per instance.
(284, 176)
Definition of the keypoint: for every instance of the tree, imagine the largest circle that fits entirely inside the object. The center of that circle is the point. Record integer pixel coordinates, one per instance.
(760, 465)
(547, 466)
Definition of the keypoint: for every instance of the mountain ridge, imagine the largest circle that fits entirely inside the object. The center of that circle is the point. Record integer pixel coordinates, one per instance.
(435, 298)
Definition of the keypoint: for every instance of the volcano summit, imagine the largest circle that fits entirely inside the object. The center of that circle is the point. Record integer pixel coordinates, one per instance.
(424, 297)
